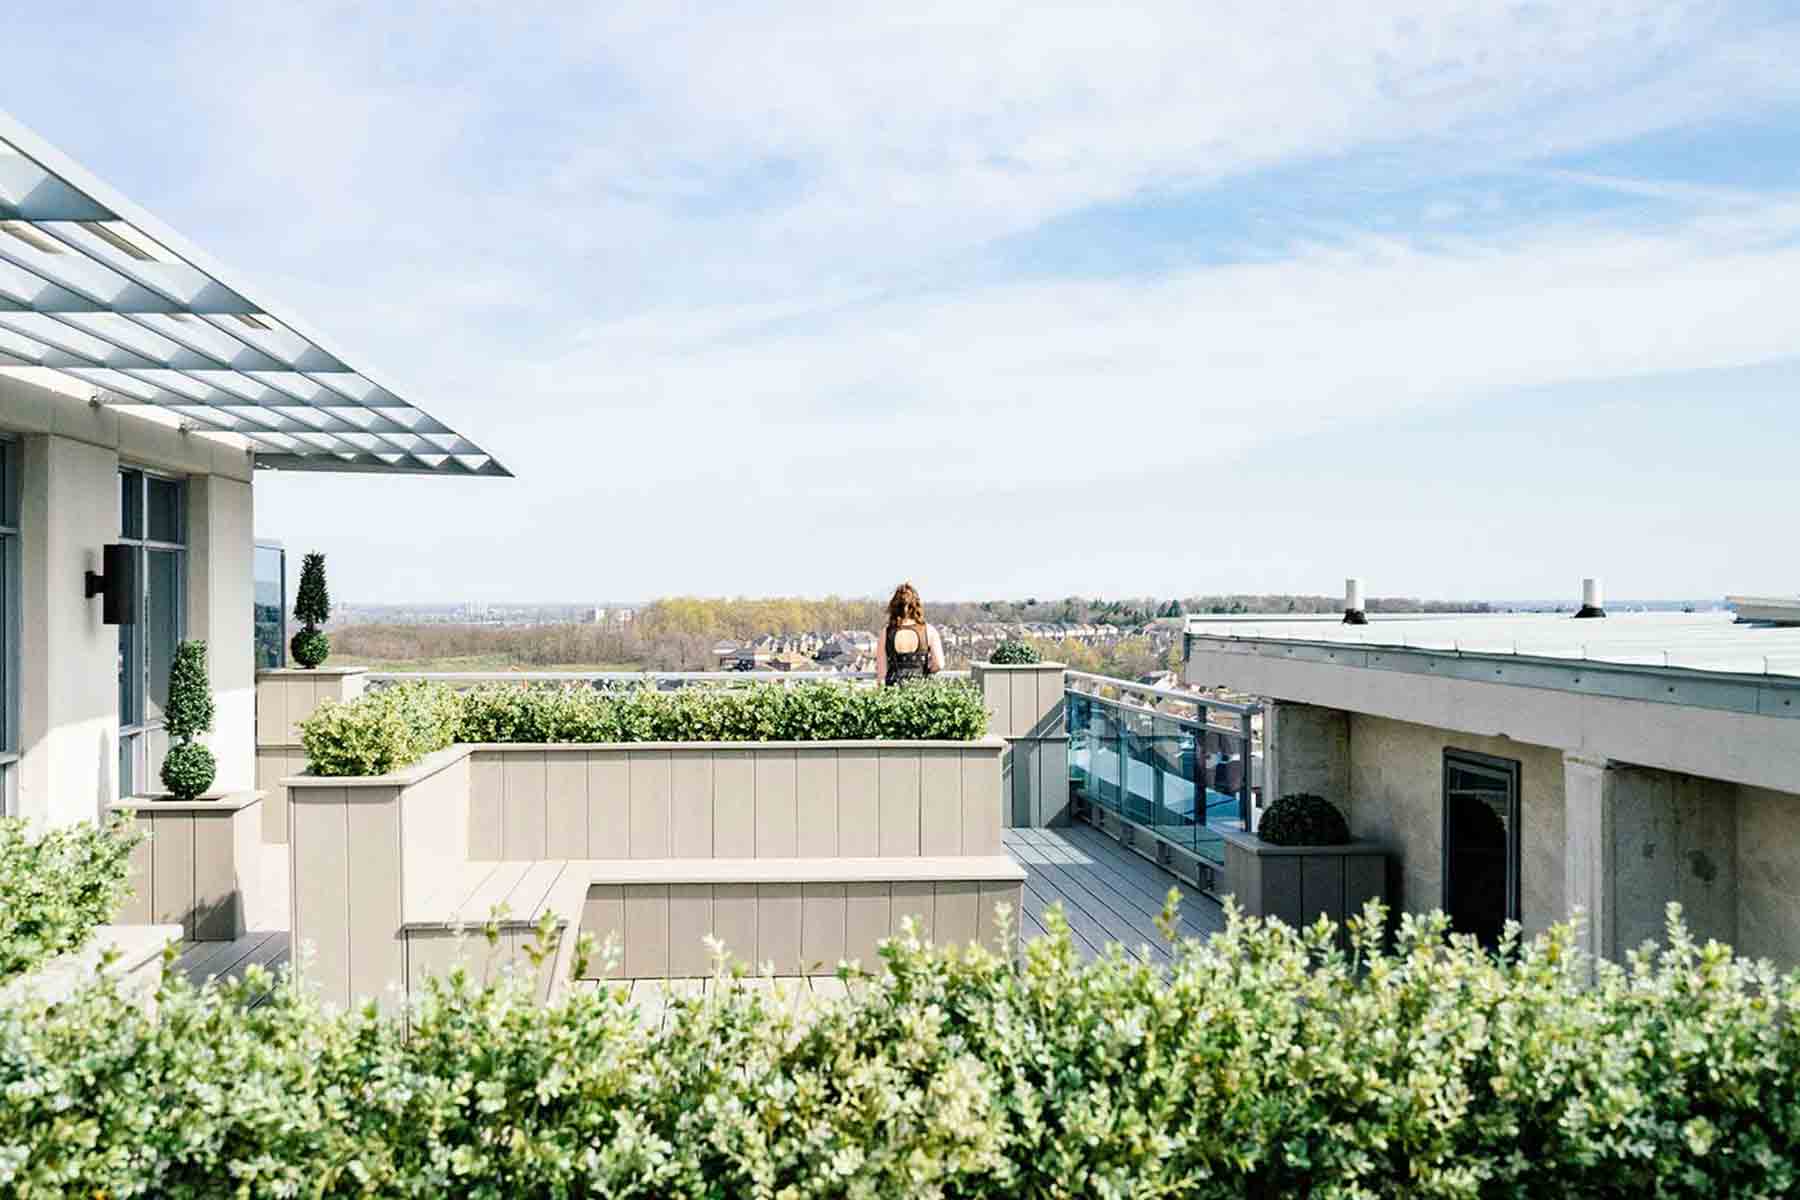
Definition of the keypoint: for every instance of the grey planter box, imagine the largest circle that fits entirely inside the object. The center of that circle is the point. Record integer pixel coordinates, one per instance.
(1299, 884)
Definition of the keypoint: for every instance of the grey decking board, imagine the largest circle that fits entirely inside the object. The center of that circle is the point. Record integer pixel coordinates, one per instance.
(1094, 931)
(1138, 875)
(1133, 881)
(1039, 898)
(1123, 923)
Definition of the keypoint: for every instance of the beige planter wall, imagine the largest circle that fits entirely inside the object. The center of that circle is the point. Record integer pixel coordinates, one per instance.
(284, 698)
(360, 851)
(710, 800)
(200, 867)
(1026, 707)
(793, 850)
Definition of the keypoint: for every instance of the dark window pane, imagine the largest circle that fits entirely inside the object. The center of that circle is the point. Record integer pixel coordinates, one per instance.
(1480, 809)
(270, 606)
(131, 504)
(131, 673)
(165, 511)
(162, 627)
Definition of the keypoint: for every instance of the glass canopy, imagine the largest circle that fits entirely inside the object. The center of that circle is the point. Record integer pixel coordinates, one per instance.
(99, 290)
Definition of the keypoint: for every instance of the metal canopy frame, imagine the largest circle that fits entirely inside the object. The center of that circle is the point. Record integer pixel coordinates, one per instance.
(96, 288)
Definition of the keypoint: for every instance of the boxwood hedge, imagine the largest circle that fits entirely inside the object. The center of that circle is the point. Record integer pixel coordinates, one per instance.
(55, 886)
(387, 729)
(1262, 1062)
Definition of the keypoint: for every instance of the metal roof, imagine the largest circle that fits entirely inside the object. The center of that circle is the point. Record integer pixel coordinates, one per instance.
(96, 288)
(1712, 642)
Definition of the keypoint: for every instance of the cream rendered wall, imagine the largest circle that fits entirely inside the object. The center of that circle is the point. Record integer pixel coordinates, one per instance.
(70, 452)
(1397, 798)
(221, 540)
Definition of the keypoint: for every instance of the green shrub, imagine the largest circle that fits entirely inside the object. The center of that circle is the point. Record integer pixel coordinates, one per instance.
(312, 606)
(55, 888)
(1014, 652)
(1303, 819)
(373, 734)
(1262, 1062)
(381, 731)
(188, 769)
(310, 647)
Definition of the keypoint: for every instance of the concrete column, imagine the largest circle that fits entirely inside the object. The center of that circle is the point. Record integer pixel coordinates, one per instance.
(1306, 749)
(69, 678)
(1588, 869)
(221, 613)
(1638, 838)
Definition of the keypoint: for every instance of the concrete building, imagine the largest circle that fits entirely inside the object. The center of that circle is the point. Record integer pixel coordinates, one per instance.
(1521, 766)
(141, 389)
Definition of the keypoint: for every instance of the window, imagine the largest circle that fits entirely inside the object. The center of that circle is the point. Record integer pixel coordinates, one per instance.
(153, 519)
(270, 581)
(1481, 843)
(9, 626)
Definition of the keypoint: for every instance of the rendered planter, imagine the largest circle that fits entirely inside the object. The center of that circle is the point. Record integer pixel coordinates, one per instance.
(1025, 706)
(200, 868)
(285, 697)
(1299, 884)
(795, 853)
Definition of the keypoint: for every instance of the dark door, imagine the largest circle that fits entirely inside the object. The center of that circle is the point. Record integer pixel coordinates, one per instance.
(1481, 843)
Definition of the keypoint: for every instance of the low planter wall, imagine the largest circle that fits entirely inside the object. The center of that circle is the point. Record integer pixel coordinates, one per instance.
(380, 865)
(735, 800)
(138, 966)
(1026, 707)
(284, 698)
(1299, 884)
(200, 868)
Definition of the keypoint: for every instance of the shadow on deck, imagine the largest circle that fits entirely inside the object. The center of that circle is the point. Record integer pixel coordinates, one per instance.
(1108, 893)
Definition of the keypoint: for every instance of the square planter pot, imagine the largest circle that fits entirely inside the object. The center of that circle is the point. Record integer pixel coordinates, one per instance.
(1299, 884)
(200, 867)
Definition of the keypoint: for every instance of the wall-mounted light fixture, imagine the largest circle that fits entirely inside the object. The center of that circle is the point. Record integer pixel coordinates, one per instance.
(117, 586)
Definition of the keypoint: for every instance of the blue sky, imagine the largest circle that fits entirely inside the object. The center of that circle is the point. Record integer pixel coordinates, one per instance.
(1471, 299)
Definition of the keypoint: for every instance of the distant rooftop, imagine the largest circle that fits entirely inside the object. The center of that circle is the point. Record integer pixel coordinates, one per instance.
(96, 289)
(1713, 641)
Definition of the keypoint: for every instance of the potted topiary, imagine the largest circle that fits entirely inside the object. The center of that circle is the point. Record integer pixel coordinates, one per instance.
(188, 768)
(1301, 863)
(312, 607)
(1014, 652)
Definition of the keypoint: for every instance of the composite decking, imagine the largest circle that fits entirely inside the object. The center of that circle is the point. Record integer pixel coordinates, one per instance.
(1107, 893)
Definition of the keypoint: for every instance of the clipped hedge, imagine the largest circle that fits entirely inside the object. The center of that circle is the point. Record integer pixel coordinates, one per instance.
(1262, 1062)
(381, 731)
(368, 736)
(56, 886)
(1014, 652)
(1303, 819)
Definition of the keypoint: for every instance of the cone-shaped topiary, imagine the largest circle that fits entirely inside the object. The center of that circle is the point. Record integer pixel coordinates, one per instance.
(188, 768)
(1013, 652)
(312, 607)
(1303, 819)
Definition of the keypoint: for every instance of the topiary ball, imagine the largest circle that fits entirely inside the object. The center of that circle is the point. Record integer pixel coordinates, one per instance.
(310, 647)
(1013, 652)
(188, 770)
(1303, 819)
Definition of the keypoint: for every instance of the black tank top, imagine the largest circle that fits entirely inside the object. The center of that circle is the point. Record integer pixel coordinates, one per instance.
(914, 664)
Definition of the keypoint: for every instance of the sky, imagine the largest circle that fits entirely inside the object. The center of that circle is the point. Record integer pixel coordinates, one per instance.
(1469, 299)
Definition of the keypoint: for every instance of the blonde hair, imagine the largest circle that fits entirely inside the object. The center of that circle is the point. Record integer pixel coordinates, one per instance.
(906, 606)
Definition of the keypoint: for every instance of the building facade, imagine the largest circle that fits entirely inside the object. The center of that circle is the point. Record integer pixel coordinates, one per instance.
(1523, 767)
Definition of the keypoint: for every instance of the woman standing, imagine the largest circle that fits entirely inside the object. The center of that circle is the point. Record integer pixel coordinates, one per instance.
(909, 648)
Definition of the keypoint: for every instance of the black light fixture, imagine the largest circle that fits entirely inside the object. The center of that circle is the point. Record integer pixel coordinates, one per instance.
(117, 586)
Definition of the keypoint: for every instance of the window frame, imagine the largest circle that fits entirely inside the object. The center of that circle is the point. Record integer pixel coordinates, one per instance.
(11, 633)
(1512, 770)
(136, 727)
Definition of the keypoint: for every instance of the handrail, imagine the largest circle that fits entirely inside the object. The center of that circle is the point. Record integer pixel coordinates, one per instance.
(681, 677)
(1162, 693)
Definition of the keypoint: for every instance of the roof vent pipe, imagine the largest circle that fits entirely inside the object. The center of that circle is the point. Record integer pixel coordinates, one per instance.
(1590, 599)
(1353, 603)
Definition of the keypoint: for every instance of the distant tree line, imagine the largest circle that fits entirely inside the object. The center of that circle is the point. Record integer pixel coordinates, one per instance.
(679, 633)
